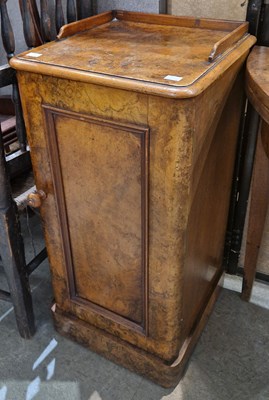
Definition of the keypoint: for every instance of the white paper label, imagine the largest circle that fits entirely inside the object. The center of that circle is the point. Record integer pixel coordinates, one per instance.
(35, 55)
(173, 78)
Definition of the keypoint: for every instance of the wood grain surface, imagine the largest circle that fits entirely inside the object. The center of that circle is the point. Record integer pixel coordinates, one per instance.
(106, 203)
(257, 88)
(136, 53)
(137, 189)
(257, 80)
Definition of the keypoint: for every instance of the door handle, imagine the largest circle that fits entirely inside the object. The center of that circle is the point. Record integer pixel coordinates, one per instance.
(36, 198)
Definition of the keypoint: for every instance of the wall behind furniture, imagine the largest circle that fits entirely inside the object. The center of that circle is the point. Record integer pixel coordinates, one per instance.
(224, 9)
(151, 6)
(16, 22)
(15, 18)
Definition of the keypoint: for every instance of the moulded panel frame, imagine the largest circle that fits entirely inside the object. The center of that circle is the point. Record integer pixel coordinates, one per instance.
(49, 112)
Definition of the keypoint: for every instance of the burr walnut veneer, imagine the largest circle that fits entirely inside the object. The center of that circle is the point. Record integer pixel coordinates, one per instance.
(132, 121)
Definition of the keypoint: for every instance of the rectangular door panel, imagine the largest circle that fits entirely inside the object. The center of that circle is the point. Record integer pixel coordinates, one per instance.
(100, 175)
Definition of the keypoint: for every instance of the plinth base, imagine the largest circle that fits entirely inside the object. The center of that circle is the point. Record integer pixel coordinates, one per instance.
(129, 356)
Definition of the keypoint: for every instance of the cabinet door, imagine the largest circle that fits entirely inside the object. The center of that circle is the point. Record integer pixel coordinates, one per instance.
(116, 209)
(100, 178)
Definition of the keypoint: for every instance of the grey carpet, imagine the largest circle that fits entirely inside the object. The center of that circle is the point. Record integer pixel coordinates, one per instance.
(230, 362)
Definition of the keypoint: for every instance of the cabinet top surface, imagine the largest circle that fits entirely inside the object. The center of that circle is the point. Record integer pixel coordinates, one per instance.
(161, 51)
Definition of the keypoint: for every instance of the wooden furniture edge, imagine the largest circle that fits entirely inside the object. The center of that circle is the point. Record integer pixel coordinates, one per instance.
(257, 97)
(228, 41)
(84, 24)
(163, 90)
(258, 206)
(129, 356)
(259, 100)
(236, 28)
(176, 20)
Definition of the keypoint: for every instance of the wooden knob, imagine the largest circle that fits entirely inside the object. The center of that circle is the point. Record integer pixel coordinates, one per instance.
(35, 199)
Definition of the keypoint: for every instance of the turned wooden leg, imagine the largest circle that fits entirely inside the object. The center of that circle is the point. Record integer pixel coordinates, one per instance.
(257, 215)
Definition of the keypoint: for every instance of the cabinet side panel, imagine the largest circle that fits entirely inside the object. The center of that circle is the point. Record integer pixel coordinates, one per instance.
(214, 154)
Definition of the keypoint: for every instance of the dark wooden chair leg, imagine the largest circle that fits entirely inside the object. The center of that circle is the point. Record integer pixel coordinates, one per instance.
(20, 127)
(13, 258)
(59, 15)
(36, 31)
(257, 215)
(71, 11)
(31, 23)
(84, 8)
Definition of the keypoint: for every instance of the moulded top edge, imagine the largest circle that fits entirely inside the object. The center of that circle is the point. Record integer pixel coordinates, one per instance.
(164, 90)
(144, 56)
